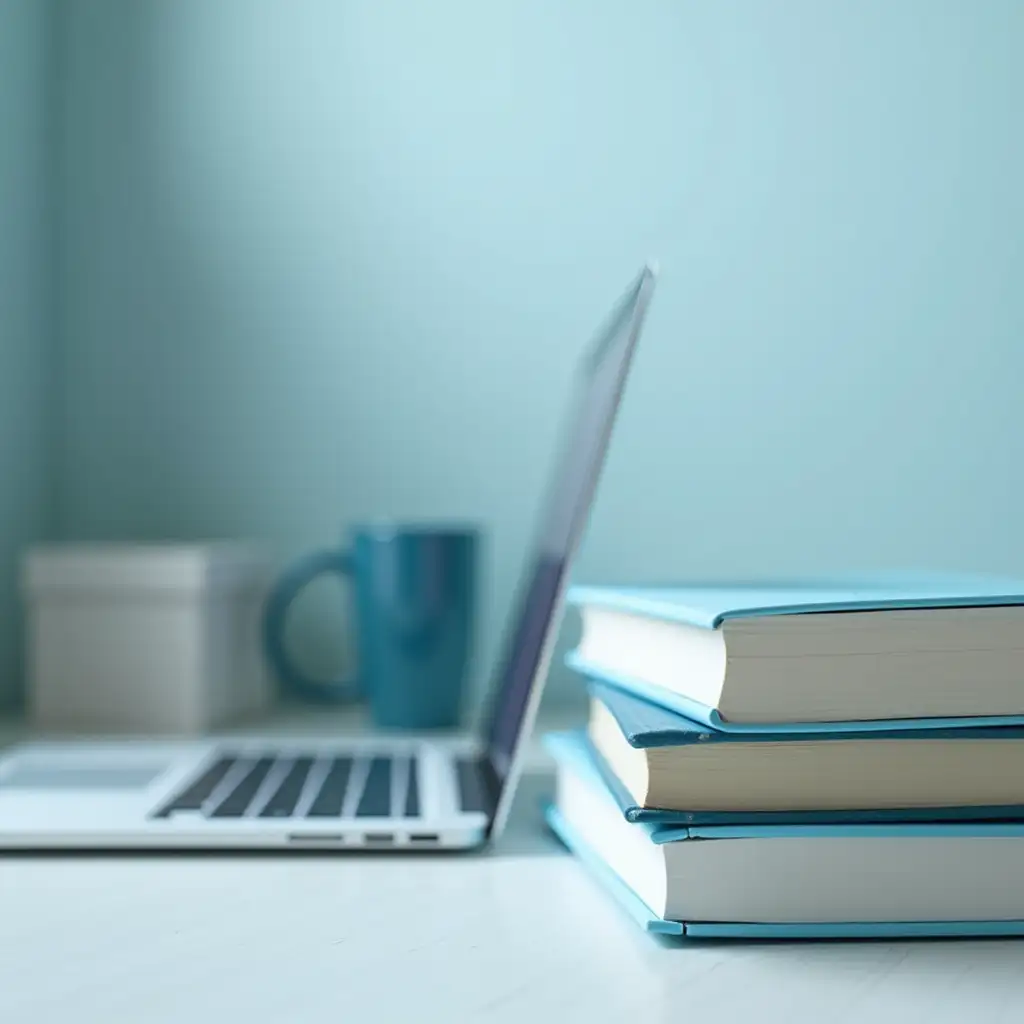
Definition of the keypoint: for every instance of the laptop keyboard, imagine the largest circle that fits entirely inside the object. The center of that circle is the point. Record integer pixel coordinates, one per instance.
(285, 798)
(236, 803)
(375, 801)
(329, 796)
(302, 787)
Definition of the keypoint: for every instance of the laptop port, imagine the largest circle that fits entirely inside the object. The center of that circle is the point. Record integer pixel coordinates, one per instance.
(424, 837)
(378, 838)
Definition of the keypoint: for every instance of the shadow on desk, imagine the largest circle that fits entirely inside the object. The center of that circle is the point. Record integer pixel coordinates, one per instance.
(527, 833)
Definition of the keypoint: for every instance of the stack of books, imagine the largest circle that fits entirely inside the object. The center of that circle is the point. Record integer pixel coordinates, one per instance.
(815, 759)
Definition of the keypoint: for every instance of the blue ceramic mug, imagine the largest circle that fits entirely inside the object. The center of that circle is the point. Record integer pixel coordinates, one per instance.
(415, 597)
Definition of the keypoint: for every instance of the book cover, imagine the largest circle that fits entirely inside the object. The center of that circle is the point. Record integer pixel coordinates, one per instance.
(664, 816)
(566, 748)
(651, 922)
(710, 719)
(645, 724)
(709, 605)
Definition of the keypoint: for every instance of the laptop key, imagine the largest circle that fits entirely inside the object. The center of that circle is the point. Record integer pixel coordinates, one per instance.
(472, 793)
(286, 796)
(235, 804)
(332, 792)
(198, 791)
(375, 801)
(412, 793)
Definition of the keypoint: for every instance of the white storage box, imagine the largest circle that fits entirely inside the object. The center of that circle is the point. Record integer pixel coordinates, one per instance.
(151, 638)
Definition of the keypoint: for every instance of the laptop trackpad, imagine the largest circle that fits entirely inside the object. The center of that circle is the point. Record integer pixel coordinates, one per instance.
(92, 773)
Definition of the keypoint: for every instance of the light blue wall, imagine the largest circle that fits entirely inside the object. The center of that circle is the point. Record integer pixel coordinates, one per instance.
(26, 394)
(327, 260)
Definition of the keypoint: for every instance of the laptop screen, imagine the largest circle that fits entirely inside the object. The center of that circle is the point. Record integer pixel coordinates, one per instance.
(572, 482)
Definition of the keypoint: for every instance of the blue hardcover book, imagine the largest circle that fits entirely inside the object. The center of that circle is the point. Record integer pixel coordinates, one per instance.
(916, 652)
(662, 767)
(826, 881)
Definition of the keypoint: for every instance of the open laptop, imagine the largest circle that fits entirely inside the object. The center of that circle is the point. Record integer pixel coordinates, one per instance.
(372, 792)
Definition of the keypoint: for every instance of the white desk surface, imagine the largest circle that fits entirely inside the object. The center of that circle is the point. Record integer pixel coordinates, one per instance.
(520, 934)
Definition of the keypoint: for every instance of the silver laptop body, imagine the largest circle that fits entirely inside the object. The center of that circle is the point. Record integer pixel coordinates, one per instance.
(373, 792)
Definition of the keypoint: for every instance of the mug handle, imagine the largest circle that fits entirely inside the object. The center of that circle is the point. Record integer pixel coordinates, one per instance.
(275, 616)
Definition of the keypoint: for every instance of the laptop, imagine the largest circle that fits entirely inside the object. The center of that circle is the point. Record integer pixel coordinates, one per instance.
(384, 793)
